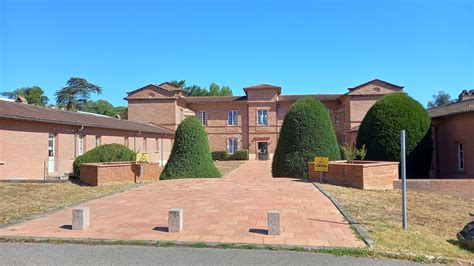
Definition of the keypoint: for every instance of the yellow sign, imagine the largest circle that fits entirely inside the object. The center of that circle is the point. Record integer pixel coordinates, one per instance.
(143, 157)
(321, 164)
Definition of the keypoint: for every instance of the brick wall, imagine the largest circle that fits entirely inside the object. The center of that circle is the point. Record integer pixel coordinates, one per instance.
(367, 175)
(456, 187)
(98, 173)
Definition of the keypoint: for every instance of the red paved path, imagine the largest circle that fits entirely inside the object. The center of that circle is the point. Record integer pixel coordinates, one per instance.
(231, 209)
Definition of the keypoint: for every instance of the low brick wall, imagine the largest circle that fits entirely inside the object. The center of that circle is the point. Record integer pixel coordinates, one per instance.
(455, 187)
(360, 174)
(101, 173)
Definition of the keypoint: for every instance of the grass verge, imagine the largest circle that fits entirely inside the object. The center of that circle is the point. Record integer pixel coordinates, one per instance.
(433, 220)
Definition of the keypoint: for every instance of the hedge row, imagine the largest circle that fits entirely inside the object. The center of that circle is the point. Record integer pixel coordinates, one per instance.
(239, 155)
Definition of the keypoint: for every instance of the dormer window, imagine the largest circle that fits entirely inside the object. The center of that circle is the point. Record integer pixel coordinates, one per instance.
(151, 94)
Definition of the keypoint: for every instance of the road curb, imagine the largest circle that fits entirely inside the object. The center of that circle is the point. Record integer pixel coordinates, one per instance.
(352, 221)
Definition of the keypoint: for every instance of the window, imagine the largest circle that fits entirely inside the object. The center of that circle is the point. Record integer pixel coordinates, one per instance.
(157, 141)
(144, 145)
(203, 117)
(232, 119)
(125, 142)
(80, 144)
(337, 120)
(97, 141)
(262, 117)
(460, 157)
(232, 145)
(181, 115)
(51, 144)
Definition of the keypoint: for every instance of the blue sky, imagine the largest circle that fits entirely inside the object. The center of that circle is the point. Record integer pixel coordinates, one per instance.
(303, 46)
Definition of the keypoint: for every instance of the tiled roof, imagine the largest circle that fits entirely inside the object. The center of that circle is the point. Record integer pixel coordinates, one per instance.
(465, 106)
(321, 97)
(379, 83)
(170, 86)
(28, 112)
(214, 99)
(263, 86)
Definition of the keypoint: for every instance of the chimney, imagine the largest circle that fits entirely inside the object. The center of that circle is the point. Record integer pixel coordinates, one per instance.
(466, 95)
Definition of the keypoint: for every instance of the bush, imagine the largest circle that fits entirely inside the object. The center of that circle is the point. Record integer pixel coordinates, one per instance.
(190, 156)
(239, 155)
(381, 128)
(104, 153)
(306, 132)
(220, 155)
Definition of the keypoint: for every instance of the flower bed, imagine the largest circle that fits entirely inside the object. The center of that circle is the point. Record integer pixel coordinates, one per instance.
(101, 173)
(358, 174)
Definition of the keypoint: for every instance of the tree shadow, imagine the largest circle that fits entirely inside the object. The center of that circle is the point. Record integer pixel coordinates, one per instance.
(66, 226)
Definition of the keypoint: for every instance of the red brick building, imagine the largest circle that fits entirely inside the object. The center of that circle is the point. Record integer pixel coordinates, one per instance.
(37, 142)
(252, 121)
(453, 135)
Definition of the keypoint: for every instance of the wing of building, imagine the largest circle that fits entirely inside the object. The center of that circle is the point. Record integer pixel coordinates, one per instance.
(252, 121)
(38, 142)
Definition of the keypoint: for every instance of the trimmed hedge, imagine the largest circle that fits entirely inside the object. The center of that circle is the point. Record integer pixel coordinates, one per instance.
(306, 132)
(190, 156)
(239, 155)
(381, 128)
(104, 153)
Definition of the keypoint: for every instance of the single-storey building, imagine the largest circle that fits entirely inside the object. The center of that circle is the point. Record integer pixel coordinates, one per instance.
(252, 121)
(38, 142)
(453, 135)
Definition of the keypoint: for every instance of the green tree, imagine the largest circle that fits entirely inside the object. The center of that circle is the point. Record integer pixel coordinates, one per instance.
(195, 90)
(191, 155)
(103, 107)
(306, 132)
(34, 95)
(381, 128)
(75, 95)
(440, 99)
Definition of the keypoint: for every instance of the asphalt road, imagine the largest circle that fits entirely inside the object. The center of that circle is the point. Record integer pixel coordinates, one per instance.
(71, 254)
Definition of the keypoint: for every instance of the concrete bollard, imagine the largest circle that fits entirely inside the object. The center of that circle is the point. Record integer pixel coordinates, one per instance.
(273, 220)
(175, 220)
(80, 218)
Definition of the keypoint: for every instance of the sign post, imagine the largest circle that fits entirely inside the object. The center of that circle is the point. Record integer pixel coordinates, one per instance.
(142, 159)
(321, 165)
(404, 182)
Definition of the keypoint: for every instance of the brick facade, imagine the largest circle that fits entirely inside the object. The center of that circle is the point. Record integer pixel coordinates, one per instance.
(24, 143)
(99, 173)
(155, 104)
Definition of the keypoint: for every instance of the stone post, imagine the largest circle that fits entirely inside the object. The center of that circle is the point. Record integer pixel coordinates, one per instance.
(273, 220)
(175, 220)
(80, 218)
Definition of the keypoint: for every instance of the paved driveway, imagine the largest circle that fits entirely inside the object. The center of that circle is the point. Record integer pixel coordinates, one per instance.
(232, 209)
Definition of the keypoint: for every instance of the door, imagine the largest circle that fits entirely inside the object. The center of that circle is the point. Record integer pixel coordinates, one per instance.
(51, 152)
(263, 150)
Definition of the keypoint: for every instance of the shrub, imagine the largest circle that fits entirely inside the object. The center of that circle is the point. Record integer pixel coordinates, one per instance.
(220, 155)
(381, 128)
(352, 153)
(104, 153)
(190, 156)
(239, 155)
(306, 132)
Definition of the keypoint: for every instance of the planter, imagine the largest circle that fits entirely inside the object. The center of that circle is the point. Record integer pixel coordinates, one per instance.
(102, 173)
(358, 174)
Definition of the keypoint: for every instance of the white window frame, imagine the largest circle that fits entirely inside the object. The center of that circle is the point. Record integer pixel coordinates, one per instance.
(232, 118)
(264, 120)
(460, 151)
(145, 144)
(80, 144)
(202, 115)
(232, 145)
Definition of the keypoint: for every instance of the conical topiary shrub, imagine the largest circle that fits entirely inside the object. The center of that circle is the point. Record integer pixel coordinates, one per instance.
(381, 128)
(306, 132)
(191, 155)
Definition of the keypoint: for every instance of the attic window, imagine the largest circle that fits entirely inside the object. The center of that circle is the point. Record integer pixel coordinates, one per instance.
(151, 95)
(376, 89)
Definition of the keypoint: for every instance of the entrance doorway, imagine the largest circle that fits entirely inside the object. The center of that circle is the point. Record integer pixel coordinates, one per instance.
(262, 150)
(51, 153)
